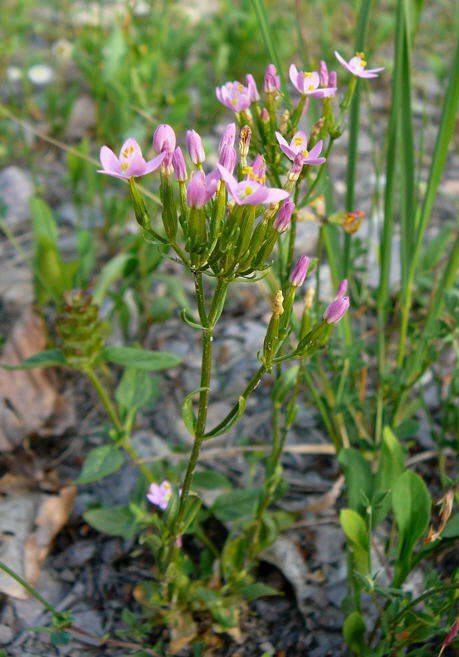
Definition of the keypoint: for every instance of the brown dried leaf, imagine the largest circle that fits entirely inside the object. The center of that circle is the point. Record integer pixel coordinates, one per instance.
(29, 520)
(29, 400)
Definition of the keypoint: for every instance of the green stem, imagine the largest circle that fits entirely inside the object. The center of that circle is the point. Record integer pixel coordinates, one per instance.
(113, 415)
(29, 589)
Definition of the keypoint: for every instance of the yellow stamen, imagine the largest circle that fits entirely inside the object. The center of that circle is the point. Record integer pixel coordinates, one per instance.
(311, 87)
(298, 140)
(248, 191)
(360, 55)
(127, 151)
(307, 75)
(305, 153)
(124, 166)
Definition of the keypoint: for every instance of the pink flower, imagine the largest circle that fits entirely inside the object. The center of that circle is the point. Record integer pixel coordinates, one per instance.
(356, 66)
(195, 147)
(323, 73)
(228, 157)
(234, 96)
(298, 146)
(164, 141)
(282, 221)
(252, 87)
(336, 309)
(249, 191)
(201, 188)
(178, 162)
(130, 162)
(307, 83)
(272, 80)
(299, 271)
(159, 495)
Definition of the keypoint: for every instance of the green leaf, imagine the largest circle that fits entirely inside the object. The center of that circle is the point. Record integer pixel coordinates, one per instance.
(136, 389)
(452, 528)
(100, 462)
(141, 359)
(48, 358)
(234, 418)
(188, 416)
(236, 504)
(354, 632)
(391, 467)
(60, 638)
(411, 505)
(44, 224)
(111, 271)
(193, 504)
(256, 590)
(114, 521)
(356, 533)
(210, 480)
(359, 479)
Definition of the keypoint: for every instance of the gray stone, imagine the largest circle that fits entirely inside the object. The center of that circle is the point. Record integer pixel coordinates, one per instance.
(329, 544)
(6, 634)
(16, 189)
(82, 118)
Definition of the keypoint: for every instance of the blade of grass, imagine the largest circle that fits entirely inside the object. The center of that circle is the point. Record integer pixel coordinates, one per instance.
(270, 44)
(354, 127)
(445, 132)
(388, 223)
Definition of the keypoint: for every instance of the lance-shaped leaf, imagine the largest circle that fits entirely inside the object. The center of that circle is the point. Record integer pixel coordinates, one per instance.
(141, 359)
(48, 358)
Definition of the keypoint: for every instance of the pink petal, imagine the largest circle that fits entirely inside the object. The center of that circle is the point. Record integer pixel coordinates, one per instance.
(231, 183)
(275, 195)
(130, 142)
(136, 166)
(316, 149)
(111, 173)
(322, 93)
(282, 141)
(289, 152)
(256, 197)
(153, 164)
(343, 62)
(293, 74)
(109, 160)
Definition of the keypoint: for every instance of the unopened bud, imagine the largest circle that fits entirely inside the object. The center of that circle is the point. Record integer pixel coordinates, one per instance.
(342, 288)
(228, 158)
(264, 115)
(195, 147)
(164, 140)
(297, 168)
(282, 220)
(252, 87)
(336, 310)
(333, 79)
(323, 74)
(272, 80)
(299, 271)
(178, 162)
(228, 136)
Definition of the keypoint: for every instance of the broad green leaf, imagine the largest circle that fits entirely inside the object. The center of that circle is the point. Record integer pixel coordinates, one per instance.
(411, 505)
(356, 533)
(354, 632)
(136, 389)
(114, 521)
(391, 467)
(256, 590)
(359, 479)
(141, 359)
(193, 504)
(210, 480)
(100, 462)
(48, 358)
(236, 504)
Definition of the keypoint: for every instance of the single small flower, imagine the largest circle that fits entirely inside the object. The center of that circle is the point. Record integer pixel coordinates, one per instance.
(201, 188)
(299, 271)
(228, 137)
(264, 115)
(234, 96)
(130, 162)
(159, 495)
(336, 310)
(40, 74)
(307, 83)
(282, 221)
(228, 157)
(195, 147)
(164, 141)
(356, 66)
(178, 162)
(251, 192)
(272, 80)
(252, 87)
(299, 146)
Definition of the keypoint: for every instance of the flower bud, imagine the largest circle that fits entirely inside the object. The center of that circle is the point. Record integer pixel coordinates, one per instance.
(272, 81)
(164, 142)
(252, 87)
(333, 79)
(258, 167)
(244, 141)
(264, 115)
(336, 310)
(195, 147)
(282, 220)
(228, 136)
(228, 158)
(178, 162)
(299, 271)
(297, 167)
(323, 74)
(342, 289)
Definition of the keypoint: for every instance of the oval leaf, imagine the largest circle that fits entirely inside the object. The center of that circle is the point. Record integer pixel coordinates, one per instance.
(100, 462)
(48, 358)
(140, 359)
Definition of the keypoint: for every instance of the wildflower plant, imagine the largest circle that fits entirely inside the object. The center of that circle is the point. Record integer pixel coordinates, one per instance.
(238, 222)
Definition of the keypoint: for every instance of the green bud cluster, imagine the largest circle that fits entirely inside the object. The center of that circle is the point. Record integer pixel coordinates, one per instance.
(81, 332)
